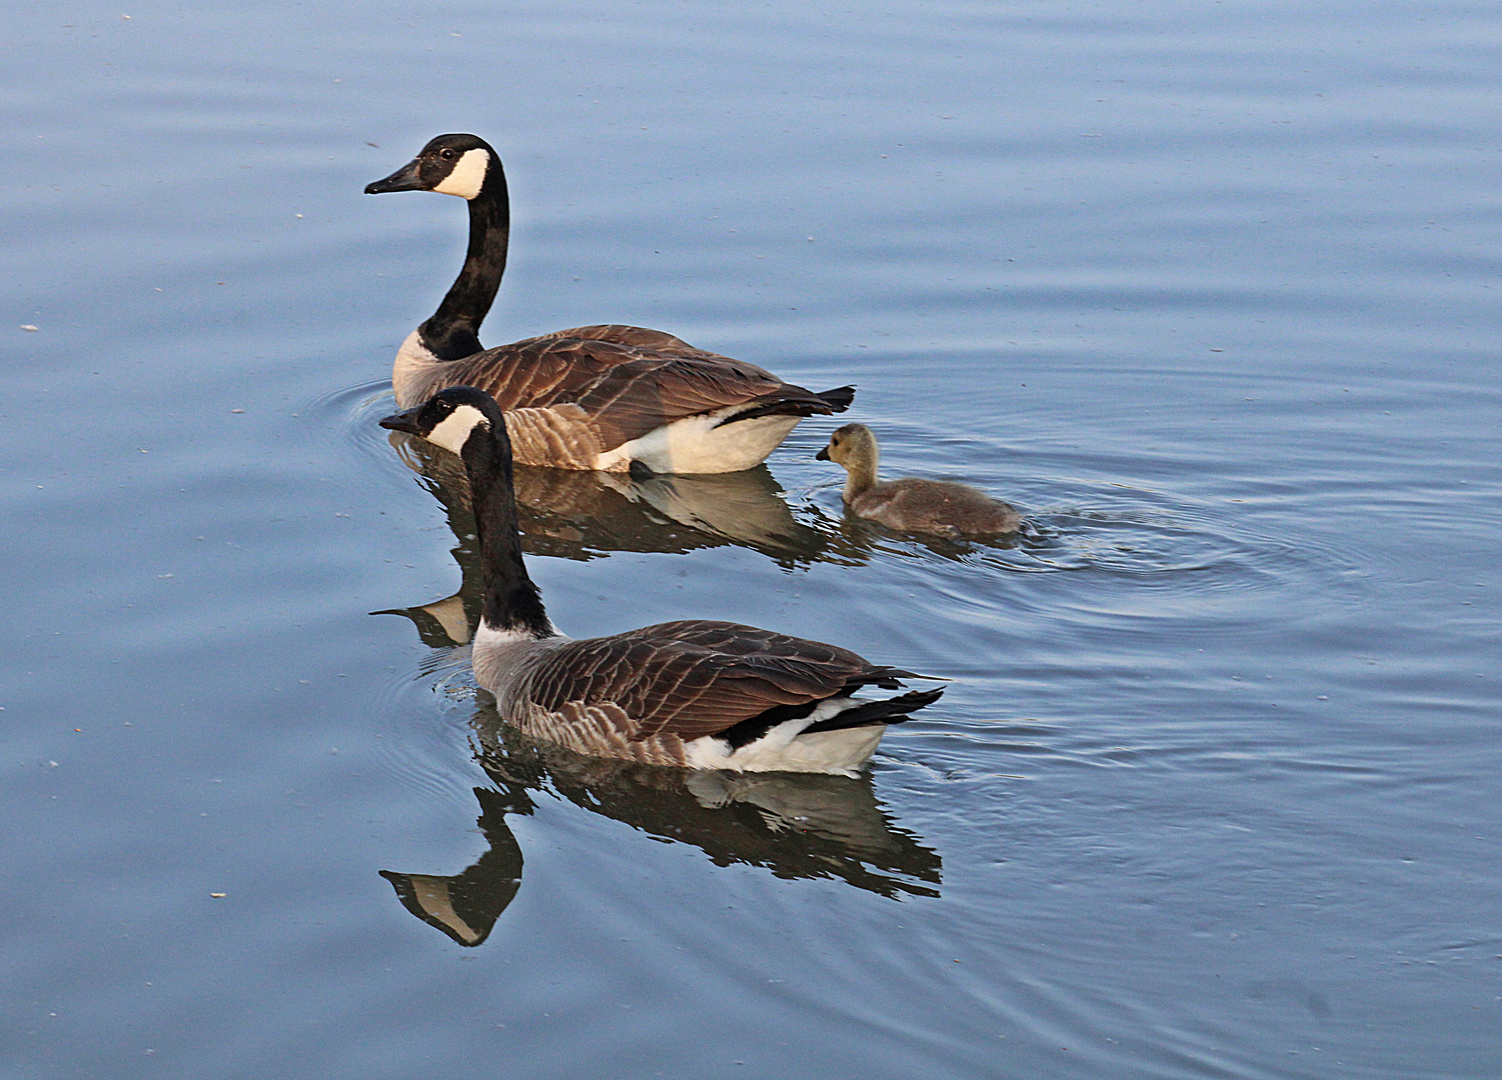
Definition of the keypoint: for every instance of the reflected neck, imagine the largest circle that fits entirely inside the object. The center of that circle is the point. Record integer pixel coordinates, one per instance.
(453, 332)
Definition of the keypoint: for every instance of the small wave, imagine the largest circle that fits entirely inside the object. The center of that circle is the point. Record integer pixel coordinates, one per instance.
(419, 743)
(352, 411)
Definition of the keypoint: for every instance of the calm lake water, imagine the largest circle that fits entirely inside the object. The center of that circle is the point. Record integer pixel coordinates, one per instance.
(1208, 290)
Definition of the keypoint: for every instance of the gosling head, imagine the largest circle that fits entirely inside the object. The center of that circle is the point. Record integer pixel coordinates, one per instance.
(853, 442)
(450, 164)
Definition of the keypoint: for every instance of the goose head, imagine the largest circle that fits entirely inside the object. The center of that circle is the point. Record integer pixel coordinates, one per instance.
(450, 164)
(449, 418)
(850, 444)
(469, 422)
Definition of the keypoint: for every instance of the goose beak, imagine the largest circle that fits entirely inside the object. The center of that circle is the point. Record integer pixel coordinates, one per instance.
(822, 455)
(404, 179)
(403, 421)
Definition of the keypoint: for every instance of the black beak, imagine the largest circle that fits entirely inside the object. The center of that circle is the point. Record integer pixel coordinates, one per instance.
(404, 179)
(822, 455)
(403, 421)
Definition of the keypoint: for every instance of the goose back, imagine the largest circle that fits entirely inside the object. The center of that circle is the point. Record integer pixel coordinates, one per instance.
(649, 695)
(589, 402)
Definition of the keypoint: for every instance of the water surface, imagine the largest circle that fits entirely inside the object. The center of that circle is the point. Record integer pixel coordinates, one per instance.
(1208, 291)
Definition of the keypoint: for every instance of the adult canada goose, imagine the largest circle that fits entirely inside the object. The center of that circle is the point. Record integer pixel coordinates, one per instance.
(594, 397)
(938, 507)
(708, 695)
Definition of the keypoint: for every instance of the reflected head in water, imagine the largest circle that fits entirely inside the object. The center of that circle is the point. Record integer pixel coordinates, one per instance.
(698, 693)
(466, 906)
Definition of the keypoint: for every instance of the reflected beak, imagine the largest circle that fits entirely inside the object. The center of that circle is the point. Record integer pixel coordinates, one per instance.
(822, 455)
(403, 421)
(404, 179)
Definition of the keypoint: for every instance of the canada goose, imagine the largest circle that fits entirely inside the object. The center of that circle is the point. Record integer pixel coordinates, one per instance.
(594, 397)
(924, 506)
(707, 695)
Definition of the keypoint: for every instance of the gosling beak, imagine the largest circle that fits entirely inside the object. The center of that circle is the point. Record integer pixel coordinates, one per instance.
(822, 455)
(404, 179)
(403, 421)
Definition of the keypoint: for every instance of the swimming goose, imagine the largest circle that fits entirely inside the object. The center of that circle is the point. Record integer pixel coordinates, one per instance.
(698, 693)
(594, 397)
(939, 507)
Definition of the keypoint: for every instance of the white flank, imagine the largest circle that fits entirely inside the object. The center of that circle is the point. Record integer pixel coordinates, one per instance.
(695, 445)
(455, 428)
(467, 177)
(785, 749)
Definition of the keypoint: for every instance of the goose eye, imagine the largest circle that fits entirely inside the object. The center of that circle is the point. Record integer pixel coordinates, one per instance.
(446, 154)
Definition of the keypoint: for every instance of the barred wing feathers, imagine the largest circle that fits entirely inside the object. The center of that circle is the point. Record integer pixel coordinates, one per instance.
(695, 677)
(628, 382)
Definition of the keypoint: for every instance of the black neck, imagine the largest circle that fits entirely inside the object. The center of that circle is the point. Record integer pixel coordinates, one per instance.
(512, 601)
(454, 330)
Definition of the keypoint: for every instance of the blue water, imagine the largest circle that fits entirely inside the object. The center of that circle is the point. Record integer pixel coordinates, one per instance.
(1208, 290)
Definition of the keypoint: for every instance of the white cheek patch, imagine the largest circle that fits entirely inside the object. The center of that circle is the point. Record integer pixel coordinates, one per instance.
(468, 176)
(455, 428)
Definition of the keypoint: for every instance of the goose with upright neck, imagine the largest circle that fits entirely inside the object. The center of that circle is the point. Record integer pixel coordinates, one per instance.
(613, 398)
(697, 693)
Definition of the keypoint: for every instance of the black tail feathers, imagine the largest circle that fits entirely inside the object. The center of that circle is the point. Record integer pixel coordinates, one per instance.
(890, 711)
(838, 399)
(805, 403)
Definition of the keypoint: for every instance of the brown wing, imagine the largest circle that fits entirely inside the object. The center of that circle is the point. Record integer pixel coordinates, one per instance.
(634, 336)
(695, 678)
(625, 388)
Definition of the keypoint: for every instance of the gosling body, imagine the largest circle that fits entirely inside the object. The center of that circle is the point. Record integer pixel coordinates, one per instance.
(935, 507)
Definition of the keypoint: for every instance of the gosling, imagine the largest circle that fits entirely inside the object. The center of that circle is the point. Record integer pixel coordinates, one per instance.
(936, 507)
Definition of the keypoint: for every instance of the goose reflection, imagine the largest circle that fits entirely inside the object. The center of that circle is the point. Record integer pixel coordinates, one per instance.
(466, 906)
(570, 514)
(587, 515)
(795, 825)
